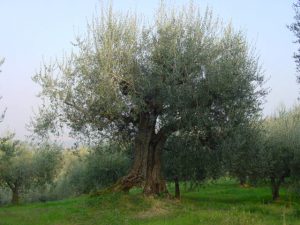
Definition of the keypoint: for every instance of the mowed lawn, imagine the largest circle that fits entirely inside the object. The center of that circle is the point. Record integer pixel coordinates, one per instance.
(223, 202)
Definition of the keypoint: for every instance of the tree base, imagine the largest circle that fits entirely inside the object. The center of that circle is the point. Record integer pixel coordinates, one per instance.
(126, 183)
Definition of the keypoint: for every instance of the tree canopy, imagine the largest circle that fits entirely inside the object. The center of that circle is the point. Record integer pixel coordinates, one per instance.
(21, 167)
(185, 72)
(281, 148)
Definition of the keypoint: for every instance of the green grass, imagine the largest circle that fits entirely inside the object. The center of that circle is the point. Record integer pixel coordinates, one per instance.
(223, 202)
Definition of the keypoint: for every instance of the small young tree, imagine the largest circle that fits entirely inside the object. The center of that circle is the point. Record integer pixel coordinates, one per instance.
(187, 159)
(241, 152)
(183, 162)
(21, 168)
(47, 160)
(16, 170)
(282, 144)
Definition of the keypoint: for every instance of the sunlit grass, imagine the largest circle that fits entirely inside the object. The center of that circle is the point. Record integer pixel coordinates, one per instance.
(222, 202)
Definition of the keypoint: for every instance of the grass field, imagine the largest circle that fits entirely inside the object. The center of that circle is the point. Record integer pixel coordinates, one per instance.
(223, 202)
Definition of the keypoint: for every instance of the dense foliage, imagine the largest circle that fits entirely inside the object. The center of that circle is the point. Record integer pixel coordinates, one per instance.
(22, 167)
(177, 100)
(281, 148)
(46, 172)
(183, 73)
(93, 169)
(241, 153)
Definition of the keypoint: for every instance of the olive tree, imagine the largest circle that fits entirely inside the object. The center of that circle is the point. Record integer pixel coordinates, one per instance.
(15, 167)
(22, 167)
(188, 161)
(94, 168)
(47, 160)
(144, 82)
(241, 152)
(281, 150)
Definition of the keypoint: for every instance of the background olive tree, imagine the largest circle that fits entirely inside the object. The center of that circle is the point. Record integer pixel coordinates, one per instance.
(16, 170)
(22, 167)
(190, 161)
(281, 148)
(241, 153)
(88, 170)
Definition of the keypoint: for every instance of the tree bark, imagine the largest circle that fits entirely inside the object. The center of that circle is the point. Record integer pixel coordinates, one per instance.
(242, 181)
(155, 182)
(15, 195)
(275, 188)
(146, 168)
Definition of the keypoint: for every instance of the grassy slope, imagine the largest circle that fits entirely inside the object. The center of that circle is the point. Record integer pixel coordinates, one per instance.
(221, 203)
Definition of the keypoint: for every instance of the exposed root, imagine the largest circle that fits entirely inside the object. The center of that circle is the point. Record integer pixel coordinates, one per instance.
(124, 184)
(128, 182)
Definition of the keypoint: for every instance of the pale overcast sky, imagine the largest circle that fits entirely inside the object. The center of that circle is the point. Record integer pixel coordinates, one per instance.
(33, 30)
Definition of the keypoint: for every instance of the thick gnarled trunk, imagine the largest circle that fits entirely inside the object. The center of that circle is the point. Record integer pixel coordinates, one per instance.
(146, 170)
(15, 189)
(155, 183)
